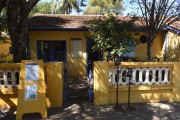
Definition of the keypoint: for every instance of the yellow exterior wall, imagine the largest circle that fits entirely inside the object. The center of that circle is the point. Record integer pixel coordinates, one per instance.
(4, 49)
(54, 85)
(79, 64)
(141, 49)
(173, 48)
(105, 94)
(76, 66)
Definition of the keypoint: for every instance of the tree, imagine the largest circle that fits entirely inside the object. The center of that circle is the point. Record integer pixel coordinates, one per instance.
(68, 5)
(17, 12)
(56, 8)
(156, 15)
(111, 34)
(3, 24)
(41, 8)
(104, 7)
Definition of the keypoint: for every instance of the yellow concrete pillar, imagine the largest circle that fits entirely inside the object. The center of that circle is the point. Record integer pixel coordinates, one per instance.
(54, 77)
(176, 81)
(101, 83)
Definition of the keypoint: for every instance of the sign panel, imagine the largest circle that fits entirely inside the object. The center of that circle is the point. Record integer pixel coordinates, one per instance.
(32, 71)
(31, 92)
(31, 89)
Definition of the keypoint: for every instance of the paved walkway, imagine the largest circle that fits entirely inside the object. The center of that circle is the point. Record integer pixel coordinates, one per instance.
(88, 111)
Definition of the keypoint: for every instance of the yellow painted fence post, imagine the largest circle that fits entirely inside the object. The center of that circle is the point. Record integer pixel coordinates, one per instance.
(101, 83)
(54, 77)
(176, 82)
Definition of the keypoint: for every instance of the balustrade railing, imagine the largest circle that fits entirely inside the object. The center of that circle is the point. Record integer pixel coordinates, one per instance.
(9, 78)
(141, 75)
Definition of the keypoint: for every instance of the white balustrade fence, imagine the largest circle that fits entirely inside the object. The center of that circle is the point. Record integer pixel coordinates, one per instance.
(141, 76)
(9, 78)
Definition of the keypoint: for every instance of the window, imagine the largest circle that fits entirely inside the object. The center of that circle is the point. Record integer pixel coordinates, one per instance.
(130, 54)
(52, 50)
(76, 48)
(132, 48)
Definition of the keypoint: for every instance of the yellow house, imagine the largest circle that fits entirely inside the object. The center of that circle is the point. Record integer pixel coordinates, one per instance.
(57, 37)
(173, 46)
(64, 38)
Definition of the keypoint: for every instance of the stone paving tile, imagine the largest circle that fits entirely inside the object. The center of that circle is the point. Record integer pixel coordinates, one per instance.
(88, 111)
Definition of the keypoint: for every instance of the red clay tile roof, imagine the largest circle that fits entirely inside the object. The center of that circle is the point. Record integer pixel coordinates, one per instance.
(63, 21)
(72, 22)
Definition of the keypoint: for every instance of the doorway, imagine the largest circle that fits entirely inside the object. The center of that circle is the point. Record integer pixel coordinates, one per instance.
(92, 55)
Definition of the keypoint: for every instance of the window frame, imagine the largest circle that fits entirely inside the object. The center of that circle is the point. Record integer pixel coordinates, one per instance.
(76, 47)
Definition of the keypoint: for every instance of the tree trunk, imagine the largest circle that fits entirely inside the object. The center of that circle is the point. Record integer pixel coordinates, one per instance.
(149, 45)
(17, 25)
(22, 39)
(17, 14)
(19, 39)
(2, 4)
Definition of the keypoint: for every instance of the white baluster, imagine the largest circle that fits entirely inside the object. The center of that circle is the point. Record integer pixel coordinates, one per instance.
(160, 75)
(165, 81)
(120, 77)
(140, 76)
(120, 73)
(120, 82)
(5, 78)
(150, 76)
(134, 76)
(113, 77)
(153, 76)
(13, 78)
(127, 78)
(143, 74)
(147, 76)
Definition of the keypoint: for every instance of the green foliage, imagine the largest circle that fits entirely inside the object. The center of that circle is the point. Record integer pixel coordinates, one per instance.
(111, 34)
(66, 6)
(3, 26)
(104, 7)
(3, 22)
(3, 58)
(41, 8)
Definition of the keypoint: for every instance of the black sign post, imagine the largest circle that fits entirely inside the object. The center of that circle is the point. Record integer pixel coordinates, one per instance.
(129, 74)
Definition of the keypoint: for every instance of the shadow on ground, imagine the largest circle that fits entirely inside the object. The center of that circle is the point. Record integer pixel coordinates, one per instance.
(84, 110)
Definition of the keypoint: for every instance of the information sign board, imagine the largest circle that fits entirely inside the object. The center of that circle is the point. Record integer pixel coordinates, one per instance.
(31, 92)
(32, 71)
